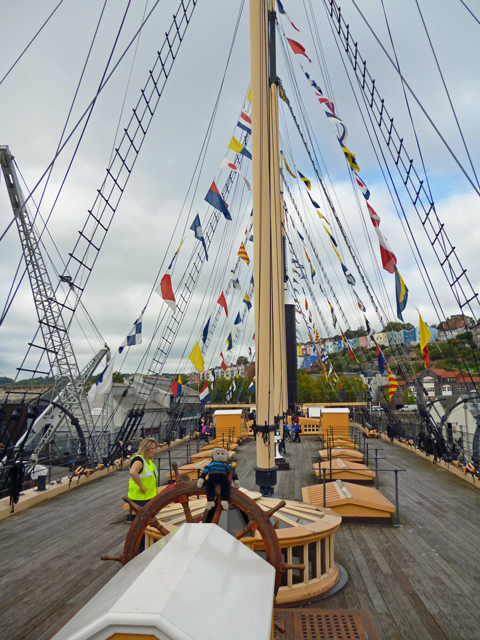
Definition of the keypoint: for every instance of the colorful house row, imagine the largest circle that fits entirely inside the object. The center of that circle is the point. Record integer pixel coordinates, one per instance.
(384, 339)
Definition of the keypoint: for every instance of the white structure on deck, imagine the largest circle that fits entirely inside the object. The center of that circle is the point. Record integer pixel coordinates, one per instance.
(199, 583)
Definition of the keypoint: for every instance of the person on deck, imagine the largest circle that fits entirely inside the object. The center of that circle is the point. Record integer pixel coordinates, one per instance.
(296, 428)
(142, 486)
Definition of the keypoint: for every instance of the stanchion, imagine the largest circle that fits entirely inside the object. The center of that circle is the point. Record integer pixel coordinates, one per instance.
(324, 489)
(397, 524)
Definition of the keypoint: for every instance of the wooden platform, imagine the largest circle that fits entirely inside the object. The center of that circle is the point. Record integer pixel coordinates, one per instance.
(340, 452)
(418, 583)
(207, 455)
(341, 469)
(350, 500)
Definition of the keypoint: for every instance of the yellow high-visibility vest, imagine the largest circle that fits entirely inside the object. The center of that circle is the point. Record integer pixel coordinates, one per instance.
(148, 477)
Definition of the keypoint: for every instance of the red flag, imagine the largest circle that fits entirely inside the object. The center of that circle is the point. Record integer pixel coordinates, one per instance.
(223, 303)
(166, 291)
(389, 259)
(223, 365)
(298, 48)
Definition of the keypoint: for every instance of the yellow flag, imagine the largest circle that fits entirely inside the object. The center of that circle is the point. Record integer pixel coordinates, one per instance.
(249, 95)
(235, 145)
(425, 334)
(322, 217)
(196, 358)
(288, 168)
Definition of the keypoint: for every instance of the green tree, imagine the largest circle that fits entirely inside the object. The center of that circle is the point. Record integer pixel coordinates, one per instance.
(117, 377)
(408, 397)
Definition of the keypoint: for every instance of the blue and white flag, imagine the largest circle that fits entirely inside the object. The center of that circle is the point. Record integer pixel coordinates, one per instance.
(350, 279)
(251, 386)
(104, 382)
(229, 393)
(205, 331)
(134, 335)
(211, 375)
(235, 281)
(239, 323)
(197, 228)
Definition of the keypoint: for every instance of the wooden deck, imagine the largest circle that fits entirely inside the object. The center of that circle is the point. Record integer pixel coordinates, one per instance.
(421, 582)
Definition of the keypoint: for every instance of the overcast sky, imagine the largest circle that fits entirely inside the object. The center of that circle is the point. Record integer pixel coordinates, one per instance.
(35, 99)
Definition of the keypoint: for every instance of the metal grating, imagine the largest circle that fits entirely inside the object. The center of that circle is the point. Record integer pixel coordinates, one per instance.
(323, 624)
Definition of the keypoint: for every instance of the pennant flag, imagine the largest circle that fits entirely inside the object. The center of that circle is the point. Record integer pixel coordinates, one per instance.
(388, 257)
(312, 273)
(229, 341)
(204, 394)
(245, 122)
(401, 294)
(288, 168)
(322, 217)
(223, 364)
(283, 12)
(196, 358)
(197, 229)
(250, 351)
(251, 386)
(238, 322)
(236, 146)
(225, 164)
(235, 282)
(176, 387)
(249, 95)
(246, 300)
(305, 180)
(363, 187)
(425, 336)
(350, 157)
(303, 240)
(214, 198)
(348, 276)
(242, 253)
(359, 302)
(382, 363)
(104, 382)
(306, 305)
(326, 101)
(175, 255)
(205, 331)
(134, 336)
(334, 317)
(298, 48)
(165, 291)
(223, 303)
(392, 385)
(315, 204)
(252, 281)
(334, 119)
(211, 375)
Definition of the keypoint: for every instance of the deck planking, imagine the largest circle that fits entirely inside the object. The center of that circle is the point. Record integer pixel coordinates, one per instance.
(419, 583)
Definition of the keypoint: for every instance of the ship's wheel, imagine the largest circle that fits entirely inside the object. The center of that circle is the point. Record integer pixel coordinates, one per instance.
(181, 492)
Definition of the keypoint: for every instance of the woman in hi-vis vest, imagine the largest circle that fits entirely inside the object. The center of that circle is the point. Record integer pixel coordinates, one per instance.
(142, 485)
